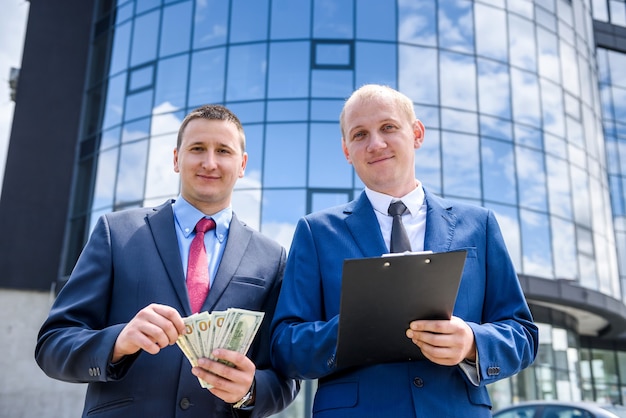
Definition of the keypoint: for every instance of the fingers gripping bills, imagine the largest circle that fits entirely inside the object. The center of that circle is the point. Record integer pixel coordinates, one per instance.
(233, 329)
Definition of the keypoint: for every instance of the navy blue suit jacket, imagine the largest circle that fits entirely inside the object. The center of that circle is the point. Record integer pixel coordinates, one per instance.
(490, 300)
(132, 260)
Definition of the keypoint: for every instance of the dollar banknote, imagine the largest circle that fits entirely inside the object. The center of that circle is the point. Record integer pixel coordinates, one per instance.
(233, 329)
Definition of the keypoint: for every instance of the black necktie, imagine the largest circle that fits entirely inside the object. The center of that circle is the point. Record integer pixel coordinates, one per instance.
(399, 239)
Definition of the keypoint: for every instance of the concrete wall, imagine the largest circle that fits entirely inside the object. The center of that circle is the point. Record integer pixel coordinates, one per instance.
(25, 391)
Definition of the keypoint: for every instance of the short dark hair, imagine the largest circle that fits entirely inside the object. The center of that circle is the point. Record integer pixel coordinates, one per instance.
(212, 112)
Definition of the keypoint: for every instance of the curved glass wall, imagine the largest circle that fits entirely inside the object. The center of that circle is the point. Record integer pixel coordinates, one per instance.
(507, 90)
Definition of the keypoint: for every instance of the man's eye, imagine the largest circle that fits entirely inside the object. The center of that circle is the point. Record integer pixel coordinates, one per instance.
(358, 135)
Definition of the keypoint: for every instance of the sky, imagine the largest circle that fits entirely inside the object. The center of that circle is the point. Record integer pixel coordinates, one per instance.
(12, 30)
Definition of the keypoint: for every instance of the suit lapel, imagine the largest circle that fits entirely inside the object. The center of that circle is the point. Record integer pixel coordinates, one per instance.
(238, 238)
(362, 223)
(440, 224)
(161, 223)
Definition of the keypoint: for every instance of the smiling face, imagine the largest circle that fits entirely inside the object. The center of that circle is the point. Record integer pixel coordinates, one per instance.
(209, 159)
(379, 140)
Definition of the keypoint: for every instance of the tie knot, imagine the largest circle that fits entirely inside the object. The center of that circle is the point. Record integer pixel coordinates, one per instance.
(396, 208)
(205, 224)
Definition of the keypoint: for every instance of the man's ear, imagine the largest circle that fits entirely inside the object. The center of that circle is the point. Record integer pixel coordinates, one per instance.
(176, 170)
(345, 150)
(418, 131)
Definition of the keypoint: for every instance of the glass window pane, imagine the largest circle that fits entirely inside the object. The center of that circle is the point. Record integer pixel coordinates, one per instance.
(461, 165)
(569, 67)
(248, 20)
(291, 19)
(490, 27)
(171, 86)
(498, 164)
(582, 210)
(105, 179)
(376, 63)
(285, 139)
(248, 112)
(119, 51)
(327, 164)
(324, 200)
(508, 219)
(161, 180)
(522, 43)
(531, 176)
(289, 70)
(110, 138)
(136, 130)
(287, 110)
(247, 203)
(145, 37)
(143, 5)
(496, 128)
(428, 161)
(418, 74)
(246, 72)
(526, 105)
(494, 89)
(564, 245)
(138, 105)
(331, 83)
(376, 19)
(254, 148)
(333, 19)
(458, 80)
(132, 172)
(536, 241)
(206, 82)
(327, 110)
(456, 25)
(417, 22)
(176, 31)
(279, 220)
(559, 187)
(141, 77)
(553, 108)
(114, 106)
(210, 23)
(549, 65)
(166, 123)
(529, 137)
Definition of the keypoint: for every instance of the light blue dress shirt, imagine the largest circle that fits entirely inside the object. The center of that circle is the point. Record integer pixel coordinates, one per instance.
(186, 217)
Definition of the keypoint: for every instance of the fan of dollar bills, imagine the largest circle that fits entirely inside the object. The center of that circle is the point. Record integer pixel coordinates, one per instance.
(233, 329)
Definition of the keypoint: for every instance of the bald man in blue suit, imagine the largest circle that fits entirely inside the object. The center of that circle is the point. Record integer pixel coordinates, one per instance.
(491, 334)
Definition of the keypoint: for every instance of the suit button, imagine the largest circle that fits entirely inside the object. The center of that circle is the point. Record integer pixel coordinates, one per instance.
(418, 382)
(493, 371)
(184, 404)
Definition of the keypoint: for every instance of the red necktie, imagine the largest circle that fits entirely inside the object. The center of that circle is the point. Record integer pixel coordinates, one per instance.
(198, 266)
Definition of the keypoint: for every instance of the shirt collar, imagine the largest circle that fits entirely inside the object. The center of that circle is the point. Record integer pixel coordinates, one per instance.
(413, 200)
(187, 216)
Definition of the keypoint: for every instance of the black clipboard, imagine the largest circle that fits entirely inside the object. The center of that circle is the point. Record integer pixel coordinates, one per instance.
(380, 296)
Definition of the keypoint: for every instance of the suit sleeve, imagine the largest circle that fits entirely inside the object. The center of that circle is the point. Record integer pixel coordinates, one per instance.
(507, 339)
(74, 344)
(274, 391)
(303, 339)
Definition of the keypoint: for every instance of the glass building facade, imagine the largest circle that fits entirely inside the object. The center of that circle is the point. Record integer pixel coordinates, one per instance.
(524, 114)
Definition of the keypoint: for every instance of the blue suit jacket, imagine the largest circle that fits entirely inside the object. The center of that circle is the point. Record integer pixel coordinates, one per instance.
(490, 300)
(132, 260)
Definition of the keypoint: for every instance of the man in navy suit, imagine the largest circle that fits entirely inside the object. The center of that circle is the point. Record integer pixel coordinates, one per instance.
(115, 323)
(491, 334)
